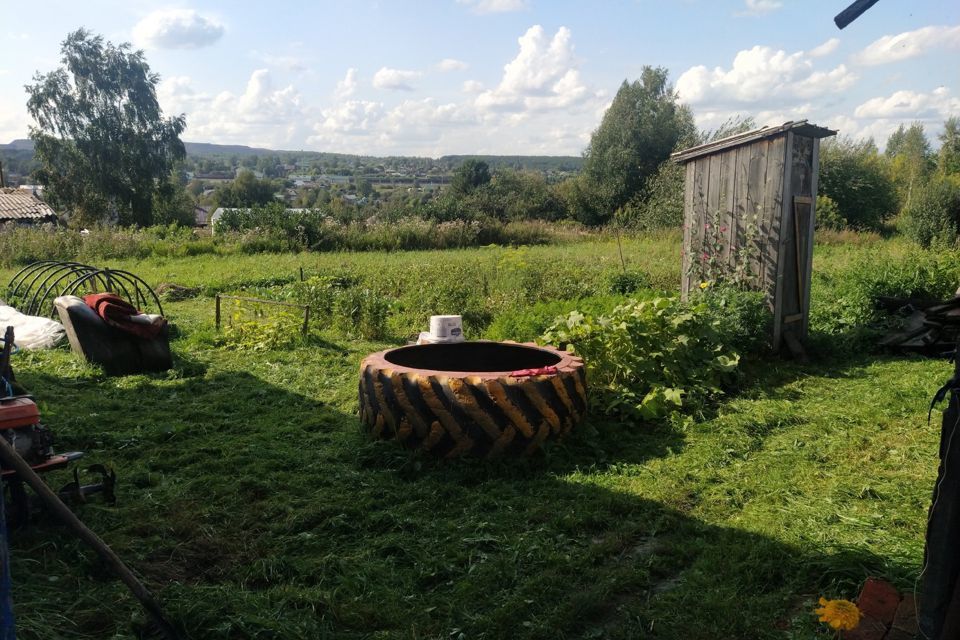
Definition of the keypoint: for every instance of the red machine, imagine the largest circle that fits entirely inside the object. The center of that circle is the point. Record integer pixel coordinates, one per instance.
(21, 427)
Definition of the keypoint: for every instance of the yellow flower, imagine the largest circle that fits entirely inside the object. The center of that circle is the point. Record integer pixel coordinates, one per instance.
(704, 285)
(842, 615)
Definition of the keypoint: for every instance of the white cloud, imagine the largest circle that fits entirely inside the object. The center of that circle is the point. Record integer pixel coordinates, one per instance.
(761, 75)
(910, 105)
(395, 79)
(543, 76)
(260, 116)
(825, 49)
(909, 44)
(348, 86)
(452, 64)
(472, 86)
(352, 117)
(759, 7)
(176, 29)
(494, 6)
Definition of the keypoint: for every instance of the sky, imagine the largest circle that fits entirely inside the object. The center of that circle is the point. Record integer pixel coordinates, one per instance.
(530, 77)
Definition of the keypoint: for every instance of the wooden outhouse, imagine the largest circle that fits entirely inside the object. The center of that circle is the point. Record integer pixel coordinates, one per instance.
(749, 207)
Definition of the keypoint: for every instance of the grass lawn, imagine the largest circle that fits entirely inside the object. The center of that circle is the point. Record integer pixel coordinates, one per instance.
(253, 505)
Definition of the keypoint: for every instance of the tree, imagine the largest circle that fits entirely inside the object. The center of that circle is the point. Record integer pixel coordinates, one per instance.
(101, 138)
(911, 159)
(643, 125)
(855, 176)
(949, 157)
(469, 175)
(246, 190)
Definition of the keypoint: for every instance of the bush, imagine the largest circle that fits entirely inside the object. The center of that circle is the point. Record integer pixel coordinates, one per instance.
(744, 317)
(855, 177)
(845, 303)
(647, 359)
(828, 215)
(338, 301)
(659, 205)
(933, 215)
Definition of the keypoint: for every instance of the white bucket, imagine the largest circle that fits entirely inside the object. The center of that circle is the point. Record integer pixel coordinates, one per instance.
(443, 329)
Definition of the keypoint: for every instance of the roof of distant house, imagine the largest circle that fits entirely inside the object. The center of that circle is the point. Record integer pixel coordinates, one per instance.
(19, 204)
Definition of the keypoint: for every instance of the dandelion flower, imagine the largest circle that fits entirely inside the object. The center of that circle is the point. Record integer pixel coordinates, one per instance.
(841, 615)
(704, 285)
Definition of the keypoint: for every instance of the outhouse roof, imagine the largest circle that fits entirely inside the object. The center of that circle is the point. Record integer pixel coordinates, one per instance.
(799, 127)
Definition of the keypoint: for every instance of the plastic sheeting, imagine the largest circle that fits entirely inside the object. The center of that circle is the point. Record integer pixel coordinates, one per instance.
(31, 332)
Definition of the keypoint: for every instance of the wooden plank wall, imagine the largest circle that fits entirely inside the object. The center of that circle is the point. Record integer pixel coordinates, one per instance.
(745, 185)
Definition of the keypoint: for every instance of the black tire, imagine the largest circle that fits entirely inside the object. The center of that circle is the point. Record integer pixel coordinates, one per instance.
(487, 414)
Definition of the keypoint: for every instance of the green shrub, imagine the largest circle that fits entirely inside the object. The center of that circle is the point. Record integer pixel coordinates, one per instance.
(624, 282)
(649, 358)
(338, 301)
(283, 330)
(744, 317)
(855, 176)
(845, 301)
(828, 214)
(933, 215)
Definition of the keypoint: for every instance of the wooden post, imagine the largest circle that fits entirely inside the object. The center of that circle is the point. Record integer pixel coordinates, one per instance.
(12, 460)
(941, 567)
(217, 322)
(306, 320)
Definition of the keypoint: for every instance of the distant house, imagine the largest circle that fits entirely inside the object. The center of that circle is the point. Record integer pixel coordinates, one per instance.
(20, 206)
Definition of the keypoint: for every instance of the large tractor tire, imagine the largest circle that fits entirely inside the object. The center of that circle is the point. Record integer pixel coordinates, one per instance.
(509, 399)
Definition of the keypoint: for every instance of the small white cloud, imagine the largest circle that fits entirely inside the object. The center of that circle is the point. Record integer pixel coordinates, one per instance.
(825, 49)
(395, 79)
(544, 75)
(759, 7)
(348, 86)
(452, 64)
(494, 6)
(909, 44)
(911, 105)
(177, 29)
(761, 74)
(472, 86)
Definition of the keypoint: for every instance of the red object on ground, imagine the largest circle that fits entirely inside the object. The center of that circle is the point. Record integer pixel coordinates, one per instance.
(19, 412)
(885, 616)
(118, 313)
(879, 599)
(542, 371)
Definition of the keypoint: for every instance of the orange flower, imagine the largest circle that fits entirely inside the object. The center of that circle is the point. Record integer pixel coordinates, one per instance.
(841, 615)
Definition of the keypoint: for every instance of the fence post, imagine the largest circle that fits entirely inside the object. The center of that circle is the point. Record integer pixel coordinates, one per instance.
(306, 320)
(218, 312)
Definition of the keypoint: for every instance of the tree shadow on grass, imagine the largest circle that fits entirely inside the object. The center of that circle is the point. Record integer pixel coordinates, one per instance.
(255, 512)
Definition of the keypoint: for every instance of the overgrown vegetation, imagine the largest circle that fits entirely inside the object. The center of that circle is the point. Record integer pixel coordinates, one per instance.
(253, 506)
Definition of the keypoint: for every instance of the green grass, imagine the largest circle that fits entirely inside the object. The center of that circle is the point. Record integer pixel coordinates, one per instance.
(253, 505)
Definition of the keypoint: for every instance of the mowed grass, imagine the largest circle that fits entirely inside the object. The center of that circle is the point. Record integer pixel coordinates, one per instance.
(254, 506)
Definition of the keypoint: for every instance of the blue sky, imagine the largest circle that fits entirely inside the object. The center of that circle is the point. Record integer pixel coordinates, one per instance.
(435, 77)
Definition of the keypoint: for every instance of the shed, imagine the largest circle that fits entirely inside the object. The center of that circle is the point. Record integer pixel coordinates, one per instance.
(23, 207)
(749, 207)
